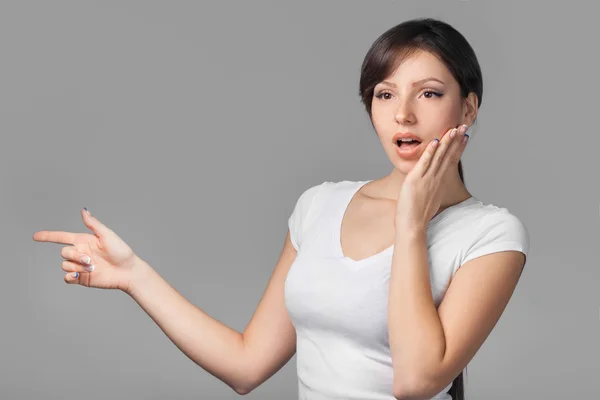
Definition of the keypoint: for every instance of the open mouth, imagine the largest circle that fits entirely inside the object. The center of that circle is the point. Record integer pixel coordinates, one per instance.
(407, 144)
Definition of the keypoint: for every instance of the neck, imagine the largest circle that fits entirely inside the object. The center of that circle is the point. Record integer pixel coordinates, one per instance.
(453, 190)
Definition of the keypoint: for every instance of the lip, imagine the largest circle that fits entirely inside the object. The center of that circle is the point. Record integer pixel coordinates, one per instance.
(410, 153)
(406, 135)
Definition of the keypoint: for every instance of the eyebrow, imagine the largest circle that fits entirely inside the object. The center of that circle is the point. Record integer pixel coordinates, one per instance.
(415, 83)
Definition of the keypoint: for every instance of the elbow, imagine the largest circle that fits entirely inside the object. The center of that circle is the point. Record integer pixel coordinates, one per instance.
(411, 389)
(243, 388)
(244, 380)
(410, 395)
(247, 384)
(242, 391)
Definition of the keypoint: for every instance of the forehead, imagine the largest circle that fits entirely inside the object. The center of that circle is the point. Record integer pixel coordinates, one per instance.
(419, 65)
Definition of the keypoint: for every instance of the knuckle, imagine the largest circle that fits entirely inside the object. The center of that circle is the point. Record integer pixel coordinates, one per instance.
(70, 252)
(64, 252)
(67, 266)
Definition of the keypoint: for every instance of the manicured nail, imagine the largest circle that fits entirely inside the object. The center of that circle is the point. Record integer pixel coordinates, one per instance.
(88, 268)
(87, 211)
(75, 274)
(86, 259)
(465, 138)
(453, 133)
(463, 128)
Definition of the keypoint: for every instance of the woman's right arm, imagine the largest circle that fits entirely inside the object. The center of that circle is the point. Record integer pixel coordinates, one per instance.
(243, 361)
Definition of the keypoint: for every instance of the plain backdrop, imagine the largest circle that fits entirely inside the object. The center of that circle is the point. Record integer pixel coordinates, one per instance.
(191, 128)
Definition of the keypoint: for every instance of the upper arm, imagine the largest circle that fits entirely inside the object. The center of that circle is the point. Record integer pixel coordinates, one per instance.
(472, 306)
(270, 337)
(478, 293)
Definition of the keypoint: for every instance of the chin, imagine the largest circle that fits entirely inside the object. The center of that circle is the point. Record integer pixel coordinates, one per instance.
(404, 166)
(405, 163)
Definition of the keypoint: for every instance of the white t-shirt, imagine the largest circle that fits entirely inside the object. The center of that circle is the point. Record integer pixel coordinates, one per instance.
(339, 306)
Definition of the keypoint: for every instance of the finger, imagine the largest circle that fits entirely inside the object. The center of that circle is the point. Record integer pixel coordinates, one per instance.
(424, 161)
(72, 253)
(455, 149)
(56, 237)
(429, 159)
(94, 224)
(465, 139)
(72, 278)
(71, 266)
(447, 141)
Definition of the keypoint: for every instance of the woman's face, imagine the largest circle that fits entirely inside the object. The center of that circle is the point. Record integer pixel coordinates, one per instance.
(411, 101)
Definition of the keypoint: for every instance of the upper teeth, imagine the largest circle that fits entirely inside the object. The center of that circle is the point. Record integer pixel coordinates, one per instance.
(406, 140)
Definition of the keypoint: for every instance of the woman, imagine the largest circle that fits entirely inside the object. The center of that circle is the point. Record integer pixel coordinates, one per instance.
(385, 288)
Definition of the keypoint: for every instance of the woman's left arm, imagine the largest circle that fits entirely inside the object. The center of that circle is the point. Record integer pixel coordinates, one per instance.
(431, 347)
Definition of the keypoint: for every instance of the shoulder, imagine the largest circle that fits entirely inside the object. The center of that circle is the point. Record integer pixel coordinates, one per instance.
(492, 216)
(308, 194)
(322, 190)
(495, 228)
(311, 202)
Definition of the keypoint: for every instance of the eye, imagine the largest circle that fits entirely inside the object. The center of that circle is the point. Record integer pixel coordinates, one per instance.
(428, 94)
(382, 93)
(431, 93)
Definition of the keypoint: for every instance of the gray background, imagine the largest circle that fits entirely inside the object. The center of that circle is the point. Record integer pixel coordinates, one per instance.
(190, 128)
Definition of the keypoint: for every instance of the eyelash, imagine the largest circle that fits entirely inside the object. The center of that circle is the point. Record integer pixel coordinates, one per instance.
(435, 93)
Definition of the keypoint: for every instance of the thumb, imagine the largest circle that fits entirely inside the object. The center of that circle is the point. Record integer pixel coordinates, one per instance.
(94, 224)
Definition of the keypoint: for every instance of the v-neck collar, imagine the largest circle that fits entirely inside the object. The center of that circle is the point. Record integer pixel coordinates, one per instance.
(340, 218)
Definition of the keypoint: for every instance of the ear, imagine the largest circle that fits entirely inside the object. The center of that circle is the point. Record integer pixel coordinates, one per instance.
(470, 107)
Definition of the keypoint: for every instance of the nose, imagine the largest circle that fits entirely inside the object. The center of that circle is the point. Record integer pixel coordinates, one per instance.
(404, 113)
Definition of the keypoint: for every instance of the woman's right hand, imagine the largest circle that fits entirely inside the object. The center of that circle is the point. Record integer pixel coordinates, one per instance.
(112, 263)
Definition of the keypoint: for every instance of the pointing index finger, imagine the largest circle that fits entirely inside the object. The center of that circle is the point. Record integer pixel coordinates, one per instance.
(56, 237)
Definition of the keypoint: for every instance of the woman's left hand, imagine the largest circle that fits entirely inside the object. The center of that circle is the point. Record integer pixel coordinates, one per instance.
(421, 193)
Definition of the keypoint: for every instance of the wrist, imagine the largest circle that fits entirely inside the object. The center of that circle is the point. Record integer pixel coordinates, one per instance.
(410, 231)
(140, 271)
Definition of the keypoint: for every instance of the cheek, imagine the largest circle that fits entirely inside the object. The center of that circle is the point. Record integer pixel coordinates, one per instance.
(376, 115)
(443, 120)
(434, 118)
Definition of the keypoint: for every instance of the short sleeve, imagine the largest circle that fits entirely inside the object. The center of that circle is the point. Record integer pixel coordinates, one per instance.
(298, 219)
(498, 231)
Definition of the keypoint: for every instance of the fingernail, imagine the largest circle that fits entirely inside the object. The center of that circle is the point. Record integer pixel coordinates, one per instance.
(88, 268)
(465, 138)
(86, 259)
(453, 133)
(86, 210)
(75, 274)
(463, 128)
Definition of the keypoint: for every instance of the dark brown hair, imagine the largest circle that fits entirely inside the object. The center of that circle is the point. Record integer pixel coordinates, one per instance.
(434, 36)
(441, 40)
